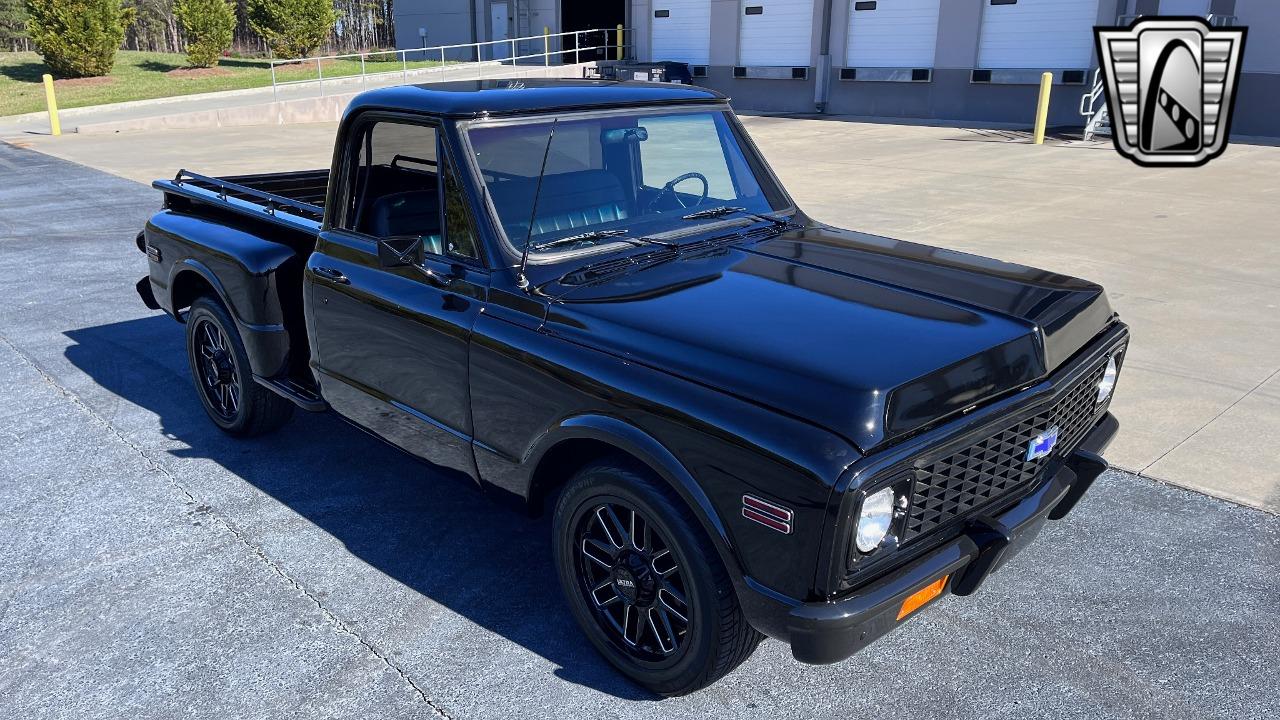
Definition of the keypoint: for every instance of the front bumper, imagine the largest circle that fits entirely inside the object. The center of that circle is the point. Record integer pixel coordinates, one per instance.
(828, 632)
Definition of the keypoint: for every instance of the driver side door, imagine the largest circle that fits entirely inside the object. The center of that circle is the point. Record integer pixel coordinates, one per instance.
(390, 342)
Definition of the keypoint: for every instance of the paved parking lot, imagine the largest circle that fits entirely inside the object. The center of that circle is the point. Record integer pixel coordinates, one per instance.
(153, 567)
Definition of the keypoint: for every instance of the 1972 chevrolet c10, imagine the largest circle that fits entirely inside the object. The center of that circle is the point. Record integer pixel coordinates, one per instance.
(597, 297)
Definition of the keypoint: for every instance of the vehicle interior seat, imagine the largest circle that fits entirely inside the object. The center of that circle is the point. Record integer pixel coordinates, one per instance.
(567, 201)
(413, 212)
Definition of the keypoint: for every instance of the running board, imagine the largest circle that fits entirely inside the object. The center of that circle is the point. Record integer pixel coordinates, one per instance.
(299, 395)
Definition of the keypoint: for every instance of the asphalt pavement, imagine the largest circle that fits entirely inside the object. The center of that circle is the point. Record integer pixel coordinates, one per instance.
(152, 567)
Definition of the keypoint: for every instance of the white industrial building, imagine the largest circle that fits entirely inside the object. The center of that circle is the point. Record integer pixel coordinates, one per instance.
(948, 60)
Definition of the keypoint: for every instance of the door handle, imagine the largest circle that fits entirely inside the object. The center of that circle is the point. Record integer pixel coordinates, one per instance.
(435, 279)
(440, 280)
(331, 274)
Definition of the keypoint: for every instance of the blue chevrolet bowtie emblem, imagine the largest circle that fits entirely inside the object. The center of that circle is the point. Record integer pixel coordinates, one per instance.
(1042, 444)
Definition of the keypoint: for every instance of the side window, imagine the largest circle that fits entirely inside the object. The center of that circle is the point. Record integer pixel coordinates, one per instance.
(459, 231)
(396, 184)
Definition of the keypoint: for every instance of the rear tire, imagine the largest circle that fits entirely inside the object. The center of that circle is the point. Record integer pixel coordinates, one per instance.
(644, 581)
(223, 378)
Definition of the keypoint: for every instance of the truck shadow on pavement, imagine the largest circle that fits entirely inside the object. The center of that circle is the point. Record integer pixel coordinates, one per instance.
(437, 534)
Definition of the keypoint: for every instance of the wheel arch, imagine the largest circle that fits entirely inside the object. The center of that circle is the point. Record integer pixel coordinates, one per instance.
(267, 344)
(189, 280)
(582, 439)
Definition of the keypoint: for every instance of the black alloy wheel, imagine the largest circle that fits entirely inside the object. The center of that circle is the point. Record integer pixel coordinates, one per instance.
(632, 580)
(223, 376)
(219, 378)
(644, 580)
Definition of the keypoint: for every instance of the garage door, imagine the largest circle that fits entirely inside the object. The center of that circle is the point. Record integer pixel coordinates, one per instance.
(1184, 7)
(1037, 33)
(682, 31)
(892, 33)
(775, 32)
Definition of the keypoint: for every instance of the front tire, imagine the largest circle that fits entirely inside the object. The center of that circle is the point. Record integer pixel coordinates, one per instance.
(224, 381)
(644, 581)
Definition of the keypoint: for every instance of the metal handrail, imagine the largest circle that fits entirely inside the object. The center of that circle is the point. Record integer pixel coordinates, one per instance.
(1099, 117)
(428, 54)
(271, 200)
(1216, 20)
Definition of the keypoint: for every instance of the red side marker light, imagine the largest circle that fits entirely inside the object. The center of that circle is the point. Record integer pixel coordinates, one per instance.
(767, 514)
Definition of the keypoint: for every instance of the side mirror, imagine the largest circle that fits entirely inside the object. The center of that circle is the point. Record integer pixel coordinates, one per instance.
(400, 251)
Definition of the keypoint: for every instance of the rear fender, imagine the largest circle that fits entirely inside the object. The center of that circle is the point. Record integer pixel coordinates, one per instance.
(241, 269)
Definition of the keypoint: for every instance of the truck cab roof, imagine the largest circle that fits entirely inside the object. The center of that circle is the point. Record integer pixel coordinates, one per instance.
(476, 98)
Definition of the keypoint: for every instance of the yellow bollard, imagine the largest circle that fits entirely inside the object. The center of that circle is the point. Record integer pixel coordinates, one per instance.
(52, 102)
(546, 45)
(619, 41)
(1042, 106)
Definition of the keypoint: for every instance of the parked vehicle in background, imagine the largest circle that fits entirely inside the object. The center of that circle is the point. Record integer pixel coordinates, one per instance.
(596, 297)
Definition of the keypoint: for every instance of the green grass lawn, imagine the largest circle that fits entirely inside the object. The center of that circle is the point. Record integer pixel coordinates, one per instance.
(142, 75)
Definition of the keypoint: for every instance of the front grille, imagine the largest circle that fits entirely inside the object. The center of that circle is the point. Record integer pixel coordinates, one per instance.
(985, 472)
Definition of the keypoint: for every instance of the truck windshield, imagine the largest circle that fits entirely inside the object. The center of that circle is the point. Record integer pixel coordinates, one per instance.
(640, 172)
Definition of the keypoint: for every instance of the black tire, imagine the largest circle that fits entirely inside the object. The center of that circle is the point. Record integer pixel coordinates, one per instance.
(232, 400)
(716, 637)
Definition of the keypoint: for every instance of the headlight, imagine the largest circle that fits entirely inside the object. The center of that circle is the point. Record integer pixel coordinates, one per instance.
(874, 520)
(1108, 381)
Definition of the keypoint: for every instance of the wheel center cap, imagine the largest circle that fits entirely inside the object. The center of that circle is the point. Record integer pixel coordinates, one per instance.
(626, 584)
(222, 365)
(633, 580)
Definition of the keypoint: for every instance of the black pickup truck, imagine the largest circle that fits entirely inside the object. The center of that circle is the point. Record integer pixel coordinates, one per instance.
(596, 297)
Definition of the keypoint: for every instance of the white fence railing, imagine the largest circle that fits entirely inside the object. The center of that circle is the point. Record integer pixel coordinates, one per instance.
(611, 44)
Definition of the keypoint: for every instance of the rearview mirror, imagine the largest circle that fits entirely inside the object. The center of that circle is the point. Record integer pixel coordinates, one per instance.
(620, 135)
(400, 251)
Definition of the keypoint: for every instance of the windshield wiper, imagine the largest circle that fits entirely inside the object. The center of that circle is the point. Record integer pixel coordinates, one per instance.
(732, 210)
(600, 235)
(580, 237)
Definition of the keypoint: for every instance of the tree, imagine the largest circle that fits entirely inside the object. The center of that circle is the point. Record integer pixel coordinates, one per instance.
(78, 38)
(293, 28)
(209, 25)
(154, 27)
(13, 26)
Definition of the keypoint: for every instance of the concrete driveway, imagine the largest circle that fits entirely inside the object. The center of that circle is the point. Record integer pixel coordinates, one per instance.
(152, 567)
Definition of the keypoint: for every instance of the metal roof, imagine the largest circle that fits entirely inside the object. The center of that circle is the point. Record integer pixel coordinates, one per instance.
(496, 97)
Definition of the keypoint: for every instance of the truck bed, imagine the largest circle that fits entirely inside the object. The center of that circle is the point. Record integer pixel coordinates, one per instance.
(292, 199)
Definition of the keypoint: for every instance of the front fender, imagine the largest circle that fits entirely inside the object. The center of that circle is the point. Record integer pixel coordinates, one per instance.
(635, 441)
(531, 391)
(761, 604)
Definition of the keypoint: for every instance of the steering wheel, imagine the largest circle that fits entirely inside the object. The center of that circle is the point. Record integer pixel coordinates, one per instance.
(670, 189)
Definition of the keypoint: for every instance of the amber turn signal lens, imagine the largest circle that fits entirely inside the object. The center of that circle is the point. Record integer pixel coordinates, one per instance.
(918, 598)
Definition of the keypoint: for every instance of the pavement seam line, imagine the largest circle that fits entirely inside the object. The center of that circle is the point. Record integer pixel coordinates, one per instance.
(1211, 421)
(226, 523)
(1195, 491)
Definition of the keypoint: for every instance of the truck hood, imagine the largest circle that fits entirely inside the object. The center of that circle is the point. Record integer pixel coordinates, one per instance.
(869, 337)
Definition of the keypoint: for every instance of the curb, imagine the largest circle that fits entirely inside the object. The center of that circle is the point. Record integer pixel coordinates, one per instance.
(282, 112)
